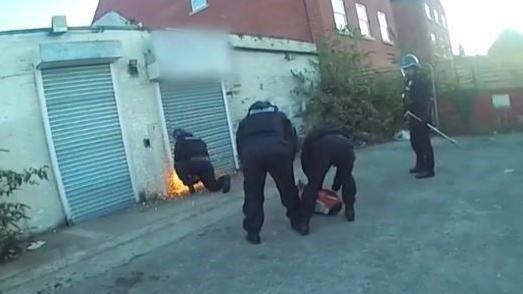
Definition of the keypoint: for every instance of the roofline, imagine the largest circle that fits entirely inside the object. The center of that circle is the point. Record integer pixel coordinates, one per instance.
(107, 12)
(96, 12)
(81, 28)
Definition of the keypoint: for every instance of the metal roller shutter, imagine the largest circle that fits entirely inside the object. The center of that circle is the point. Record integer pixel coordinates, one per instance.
(199, 107)
(87, 137)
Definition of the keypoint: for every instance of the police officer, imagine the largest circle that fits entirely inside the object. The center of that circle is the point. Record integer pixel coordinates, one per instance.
(418, 100)
(324, 147)
(192, 163)
(267, 142)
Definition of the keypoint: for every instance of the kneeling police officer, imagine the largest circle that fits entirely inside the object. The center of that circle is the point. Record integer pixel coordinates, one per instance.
(192, 163)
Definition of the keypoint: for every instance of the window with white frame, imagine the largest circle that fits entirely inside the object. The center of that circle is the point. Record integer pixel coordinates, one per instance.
(197, 5)
(433, 39)
(363, 19)
(384, 27)
(436, 16)
(443, 20)
(428, 11)
(340, 16)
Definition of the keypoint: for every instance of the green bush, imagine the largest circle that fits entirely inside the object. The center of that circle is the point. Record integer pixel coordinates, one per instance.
(344, 90)
(11, 213)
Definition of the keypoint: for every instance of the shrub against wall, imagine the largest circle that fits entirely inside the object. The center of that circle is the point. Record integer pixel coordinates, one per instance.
(344, 90)
(11, 212)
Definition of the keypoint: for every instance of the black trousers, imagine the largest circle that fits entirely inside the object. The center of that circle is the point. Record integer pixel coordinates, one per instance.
(420, 142)
(256, 165)
(321, 163)
(190, 171)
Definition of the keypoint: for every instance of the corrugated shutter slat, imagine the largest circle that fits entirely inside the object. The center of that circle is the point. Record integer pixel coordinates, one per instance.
(87, 137)
(199, 108)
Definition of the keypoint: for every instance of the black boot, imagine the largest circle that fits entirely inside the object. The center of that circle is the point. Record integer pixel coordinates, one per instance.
(226, 184)
(425, 174)
(415, 170)
(350, 214)
(301, 226)
(253, 238)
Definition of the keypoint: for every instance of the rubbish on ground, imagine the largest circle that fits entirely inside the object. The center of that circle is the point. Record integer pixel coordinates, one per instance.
(402, 135)
(35, 245)
(509, 170)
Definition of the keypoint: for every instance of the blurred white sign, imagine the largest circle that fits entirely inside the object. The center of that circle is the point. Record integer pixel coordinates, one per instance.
(501, 101)
(191, 54)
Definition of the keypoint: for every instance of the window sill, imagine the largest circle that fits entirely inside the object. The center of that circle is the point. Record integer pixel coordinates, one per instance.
(199, 10)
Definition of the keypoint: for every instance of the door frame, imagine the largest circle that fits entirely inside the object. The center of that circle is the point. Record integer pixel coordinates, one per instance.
(50, 144)
(231, 130)
(167, 143)
(163, 124)
(118, 100)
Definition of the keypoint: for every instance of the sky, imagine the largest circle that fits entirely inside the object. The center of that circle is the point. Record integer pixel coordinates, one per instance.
(23, 14)
(475, 24)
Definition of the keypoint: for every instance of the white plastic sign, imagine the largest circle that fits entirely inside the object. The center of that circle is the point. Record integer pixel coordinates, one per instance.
(501, 101)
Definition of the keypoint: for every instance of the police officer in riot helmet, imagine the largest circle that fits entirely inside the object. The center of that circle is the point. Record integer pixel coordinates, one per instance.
(324, 147)
(192, 163)
(418, 97)
(267, 143)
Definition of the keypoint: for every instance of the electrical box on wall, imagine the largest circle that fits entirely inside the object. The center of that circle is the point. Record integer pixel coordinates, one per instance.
(59, 24)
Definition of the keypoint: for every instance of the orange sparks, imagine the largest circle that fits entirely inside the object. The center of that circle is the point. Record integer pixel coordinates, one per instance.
(176, 188)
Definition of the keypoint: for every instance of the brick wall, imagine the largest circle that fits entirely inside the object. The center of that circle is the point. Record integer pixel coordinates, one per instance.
(274, 18)
(485, 117)
(414, 27)
(304, 20)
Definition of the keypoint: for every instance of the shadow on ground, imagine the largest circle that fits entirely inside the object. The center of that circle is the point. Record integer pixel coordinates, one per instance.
(458, 233)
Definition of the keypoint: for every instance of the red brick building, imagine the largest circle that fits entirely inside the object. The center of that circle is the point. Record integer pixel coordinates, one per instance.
(422, 28)
(303, 20)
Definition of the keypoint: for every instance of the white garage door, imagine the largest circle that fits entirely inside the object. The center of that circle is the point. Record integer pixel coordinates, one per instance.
(199, 108)
(87, 137)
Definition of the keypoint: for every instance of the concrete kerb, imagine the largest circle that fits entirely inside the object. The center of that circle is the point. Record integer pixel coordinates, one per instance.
(15, 283)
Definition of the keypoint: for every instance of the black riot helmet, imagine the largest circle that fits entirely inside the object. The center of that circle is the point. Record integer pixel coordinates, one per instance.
(410, 60)
(180, 133)
(262, 106)
(410, 63)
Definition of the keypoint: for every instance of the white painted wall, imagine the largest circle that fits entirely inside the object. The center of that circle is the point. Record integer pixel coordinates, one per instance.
(22, 129)
(262, 71)
(22, 132)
